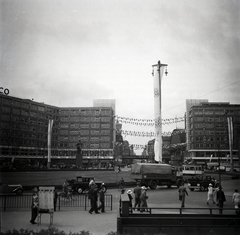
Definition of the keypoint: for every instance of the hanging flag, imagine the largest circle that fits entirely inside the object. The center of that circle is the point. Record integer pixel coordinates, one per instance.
(50, 125)
(230, 136)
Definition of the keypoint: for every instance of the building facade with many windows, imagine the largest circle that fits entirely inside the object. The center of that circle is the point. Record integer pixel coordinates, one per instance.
(209, 132)
(24, 130)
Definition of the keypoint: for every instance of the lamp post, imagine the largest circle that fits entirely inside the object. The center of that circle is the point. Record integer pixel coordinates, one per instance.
(158, 74)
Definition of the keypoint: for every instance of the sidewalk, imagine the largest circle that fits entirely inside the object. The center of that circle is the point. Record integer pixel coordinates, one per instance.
(68, 221)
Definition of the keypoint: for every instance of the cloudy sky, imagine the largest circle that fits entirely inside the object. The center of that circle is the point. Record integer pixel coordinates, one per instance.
(68, 52)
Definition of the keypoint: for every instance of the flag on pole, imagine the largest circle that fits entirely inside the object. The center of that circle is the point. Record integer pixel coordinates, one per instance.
(50, 125)
(230, 136)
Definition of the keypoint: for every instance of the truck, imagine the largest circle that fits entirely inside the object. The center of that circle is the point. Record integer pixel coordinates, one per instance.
(154, 174)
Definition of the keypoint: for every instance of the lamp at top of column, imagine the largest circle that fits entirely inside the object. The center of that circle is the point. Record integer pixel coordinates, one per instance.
(158, 74)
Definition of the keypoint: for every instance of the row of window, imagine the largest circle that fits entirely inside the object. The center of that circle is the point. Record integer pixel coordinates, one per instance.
(85, 112)
(214, 112)
(24, 105)
(207, 119)
(208, 146)
(85, 138)
(209, 138)
(85, 119)
(207, 125)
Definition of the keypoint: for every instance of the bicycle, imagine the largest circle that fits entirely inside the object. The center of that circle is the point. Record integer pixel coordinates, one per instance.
(69, 195)
(121, 187)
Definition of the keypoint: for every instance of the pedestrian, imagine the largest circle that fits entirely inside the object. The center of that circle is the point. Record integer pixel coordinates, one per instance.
(143, 199)
(137, 192)
(236, 200)
(55, 199)
(210, 194)
(121, 183)
(221, 199)
(102, 200)
(182, 192)
(129, 193)
(94, 199)
(119, 168)
(34, 206)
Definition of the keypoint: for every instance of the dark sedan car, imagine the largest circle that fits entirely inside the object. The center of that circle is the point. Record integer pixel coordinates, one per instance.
(81, 184)
(11, 188)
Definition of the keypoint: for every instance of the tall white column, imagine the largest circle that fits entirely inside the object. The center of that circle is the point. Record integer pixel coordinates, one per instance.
(158, 70)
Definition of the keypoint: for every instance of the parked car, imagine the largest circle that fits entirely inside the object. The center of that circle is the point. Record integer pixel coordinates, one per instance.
(200, 182)
(11, 188)
(81, 184)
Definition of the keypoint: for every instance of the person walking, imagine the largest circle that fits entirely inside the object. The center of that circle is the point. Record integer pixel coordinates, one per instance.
(182, 192)
(236, 200)
(34, 206)
(121, 184)
(129, 193)
(94, 199)
(221, 199)
(210, 194)
(137, 192)
(143, 199)
(102, 200)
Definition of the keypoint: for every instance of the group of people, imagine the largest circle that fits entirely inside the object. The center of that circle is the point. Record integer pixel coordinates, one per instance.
(216, 195)
(140, 196)
(93, 194)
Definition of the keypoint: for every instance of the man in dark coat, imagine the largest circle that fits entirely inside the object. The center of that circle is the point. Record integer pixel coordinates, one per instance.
(137, 191)
(221, 199)
(93, 197)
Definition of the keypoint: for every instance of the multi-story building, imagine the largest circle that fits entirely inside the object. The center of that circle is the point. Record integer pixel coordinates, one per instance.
(208, 132)
(24, 130)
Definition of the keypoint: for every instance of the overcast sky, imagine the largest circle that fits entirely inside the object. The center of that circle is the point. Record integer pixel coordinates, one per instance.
(68, 52)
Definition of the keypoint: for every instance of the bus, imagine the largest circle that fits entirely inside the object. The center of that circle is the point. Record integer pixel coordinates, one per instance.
(192, 169)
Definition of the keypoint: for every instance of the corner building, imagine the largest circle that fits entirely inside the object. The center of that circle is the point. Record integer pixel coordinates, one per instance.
(24, 130)
(208, 132)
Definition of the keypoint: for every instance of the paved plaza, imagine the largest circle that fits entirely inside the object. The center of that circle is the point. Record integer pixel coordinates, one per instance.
(77, 219)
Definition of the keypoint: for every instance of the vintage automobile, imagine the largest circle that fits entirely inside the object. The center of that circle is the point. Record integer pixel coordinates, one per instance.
(200, 182)
(11, 188)
(81, 184)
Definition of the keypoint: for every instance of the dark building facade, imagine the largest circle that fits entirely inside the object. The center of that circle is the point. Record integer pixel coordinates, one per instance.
(208, 131)
(24, 130)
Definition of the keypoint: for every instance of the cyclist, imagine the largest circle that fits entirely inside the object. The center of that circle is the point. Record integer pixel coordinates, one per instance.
(66, 188)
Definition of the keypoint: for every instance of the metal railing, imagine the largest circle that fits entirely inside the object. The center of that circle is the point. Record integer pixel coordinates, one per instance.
(181, 211)
(77, 201)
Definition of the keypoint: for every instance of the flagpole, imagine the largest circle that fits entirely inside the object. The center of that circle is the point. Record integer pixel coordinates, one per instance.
(157, 109)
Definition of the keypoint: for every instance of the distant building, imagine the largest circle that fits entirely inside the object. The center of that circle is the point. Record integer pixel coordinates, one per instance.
(208, 132)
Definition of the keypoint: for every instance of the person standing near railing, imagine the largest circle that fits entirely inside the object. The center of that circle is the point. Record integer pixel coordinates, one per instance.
(34, 207)
(221, 199)
(137, 191)
(236, 200)
(102, 200)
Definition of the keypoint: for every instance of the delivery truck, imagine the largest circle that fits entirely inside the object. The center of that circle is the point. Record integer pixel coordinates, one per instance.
(154, 174)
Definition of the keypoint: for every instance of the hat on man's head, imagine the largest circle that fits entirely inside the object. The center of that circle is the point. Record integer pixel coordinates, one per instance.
(144, 188)
(129, 191)
(210, 184)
